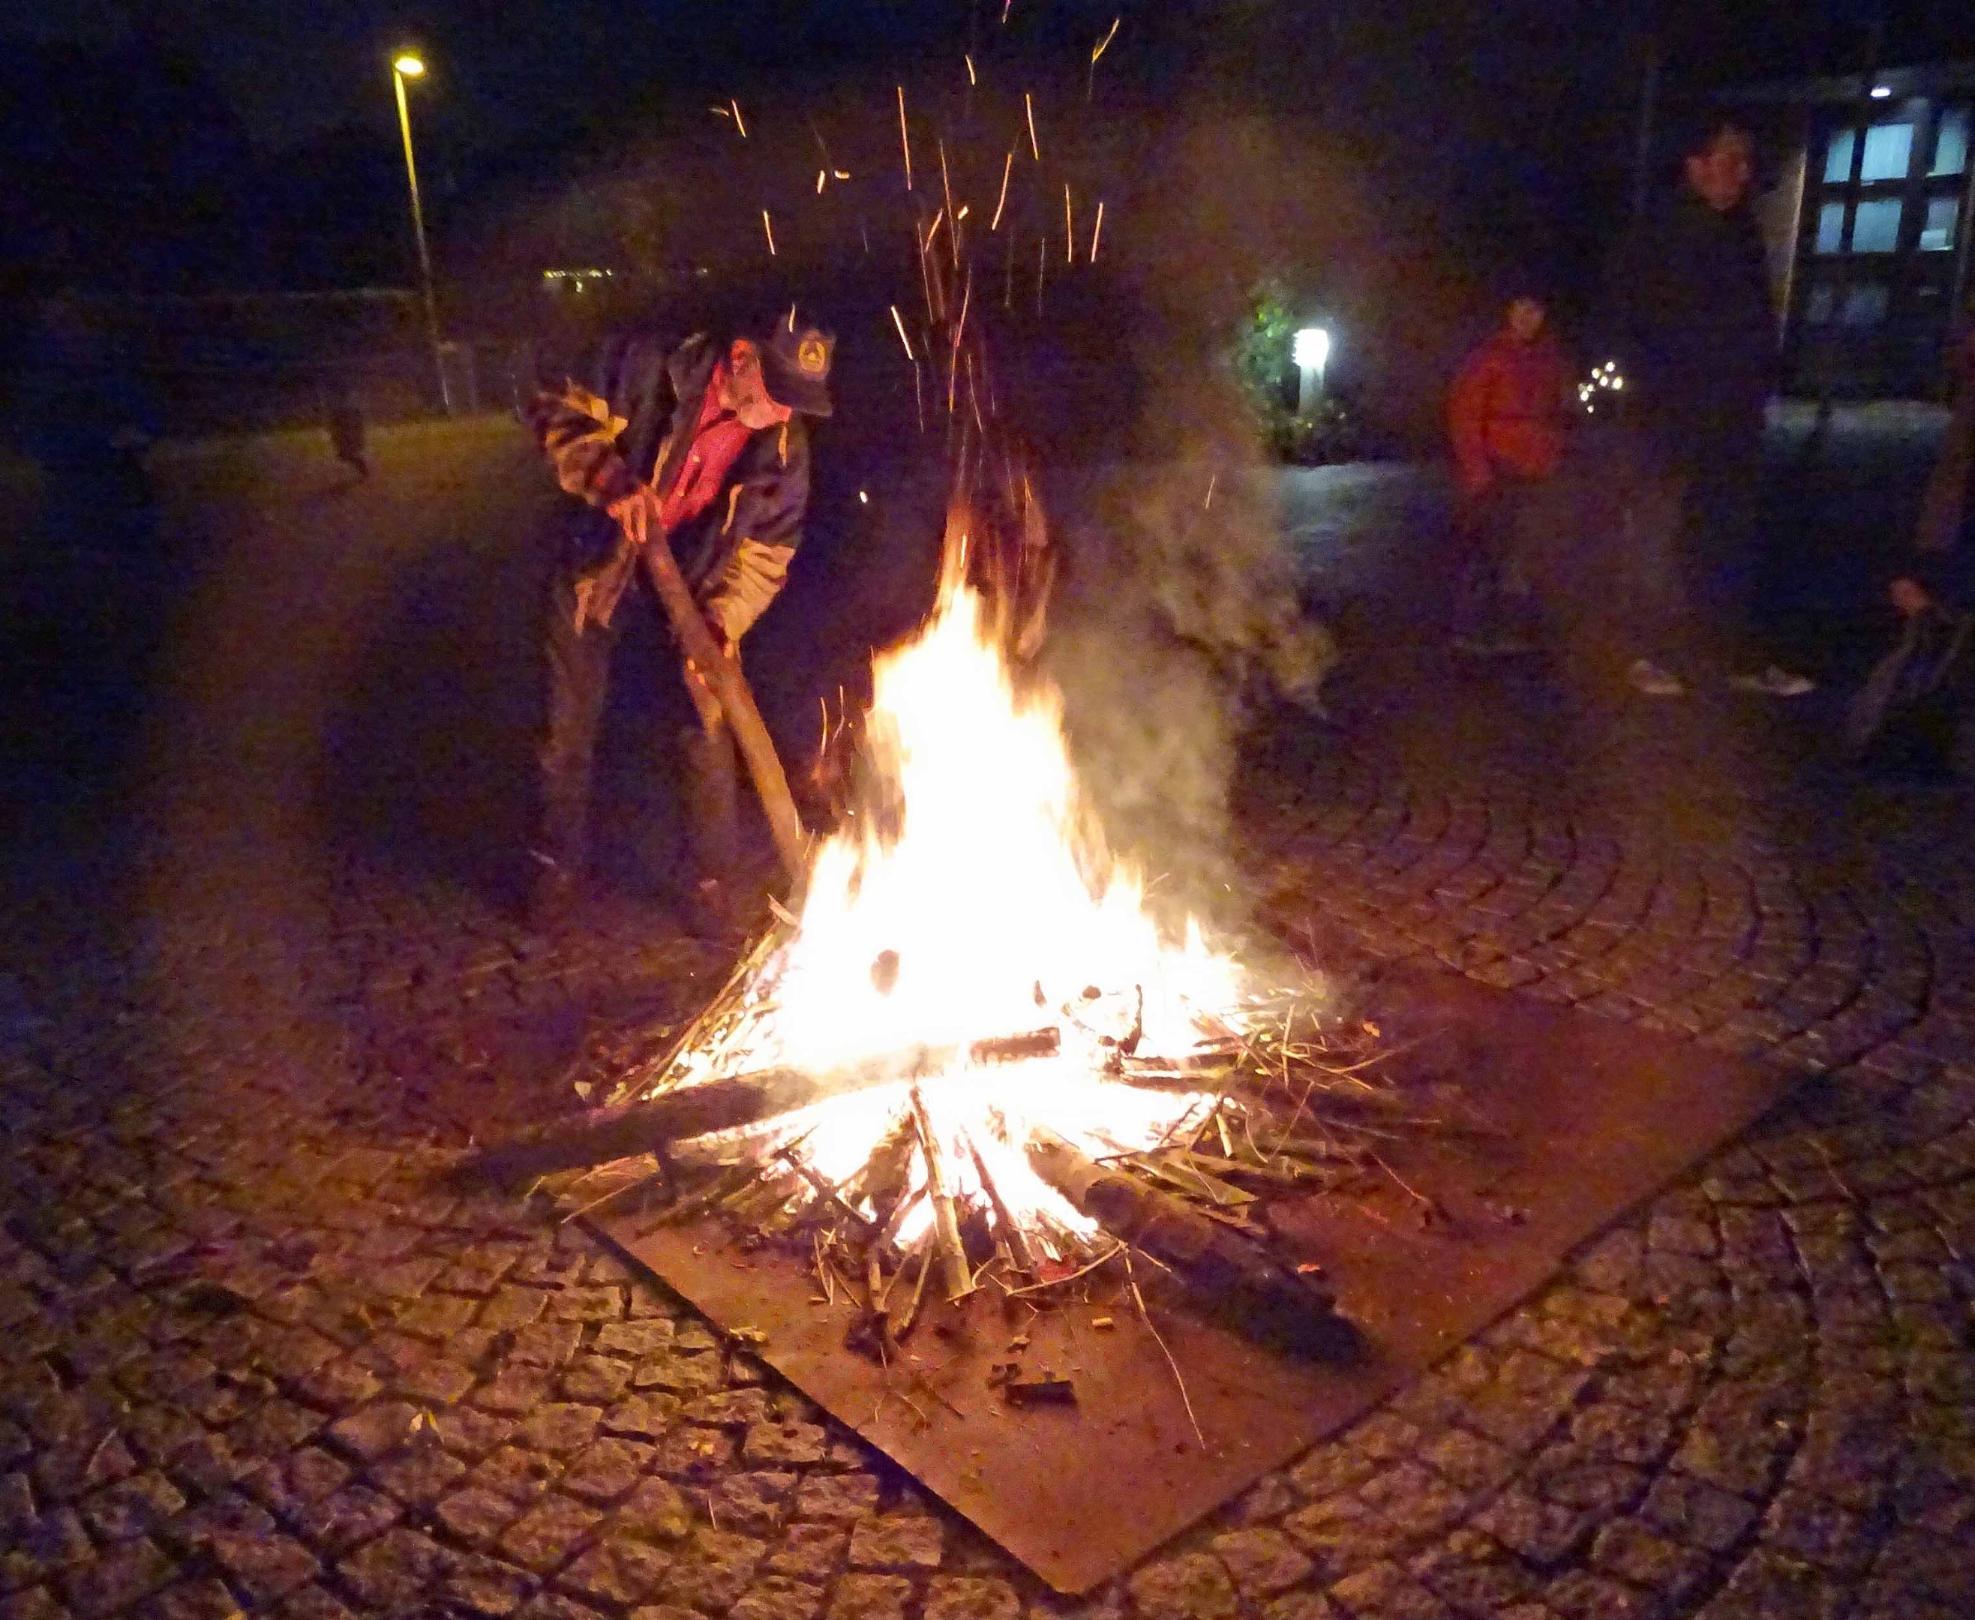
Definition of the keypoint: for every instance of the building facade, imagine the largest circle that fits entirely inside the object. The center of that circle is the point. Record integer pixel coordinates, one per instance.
(1869, 218)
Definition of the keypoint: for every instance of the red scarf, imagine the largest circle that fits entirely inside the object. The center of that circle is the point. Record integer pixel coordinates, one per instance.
(718, 438)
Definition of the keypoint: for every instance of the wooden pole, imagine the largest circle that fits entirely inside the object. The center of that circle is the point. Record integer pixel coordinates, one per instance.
(722, 673)
(604, 1134)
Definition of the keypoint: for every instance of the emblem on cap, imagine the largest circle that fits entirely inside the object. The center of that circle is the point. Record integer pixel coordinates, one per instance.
(811, 355)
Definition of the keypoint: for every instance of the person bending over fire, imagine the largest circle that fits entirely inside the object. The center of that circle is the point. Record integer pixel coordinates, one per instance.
(705, 446)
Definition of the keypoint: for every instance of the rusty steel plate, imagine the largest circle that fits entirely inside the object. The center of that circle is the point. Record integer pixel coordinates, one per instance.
(1588, 1118)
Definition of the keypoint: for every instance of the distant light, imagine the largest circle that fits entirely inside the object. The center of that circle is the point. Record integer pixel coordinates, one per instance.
(1881, 91)
(410, 66)
(862, 496)
(1311, 348)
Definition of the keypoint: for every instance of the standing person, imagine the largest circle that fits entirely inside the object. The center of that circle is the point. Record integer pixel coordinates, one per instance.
(1505, 418)
(704, 446)
(343, 415)
(1948, 507)
(1696, 337)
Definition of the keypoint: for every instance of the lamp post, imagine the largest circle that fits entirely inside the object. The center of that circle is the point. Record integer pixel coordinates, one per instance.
(409, 65)
(1310, 349)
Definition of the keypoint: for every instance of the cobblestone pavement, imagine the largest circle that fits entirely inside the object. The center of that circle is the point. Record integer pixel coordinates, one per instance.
(251, 1358)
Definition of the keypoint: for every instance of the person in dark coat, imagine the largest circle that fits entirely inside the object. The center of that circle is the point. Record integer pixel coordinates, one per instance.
(1696, 337)
(705, 445)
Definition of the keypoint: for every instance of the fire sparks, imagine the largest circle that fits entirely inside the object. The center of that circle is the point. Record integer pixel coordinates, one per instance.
(768, 229)
(1001, 202)
(904, 138)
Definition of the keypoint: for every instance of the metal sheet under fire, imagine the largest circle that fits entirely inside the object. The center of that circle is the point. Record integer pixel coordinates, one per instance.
(1593, 1118)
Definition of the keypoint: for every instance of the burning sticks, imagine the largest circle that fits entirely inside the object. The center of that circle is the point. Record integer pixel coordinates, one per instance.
(929, 1200)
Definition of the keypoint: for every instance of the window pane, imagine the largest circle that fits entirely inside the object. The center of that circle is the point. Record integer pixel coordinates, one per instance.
(1888, 152)
(1937, 233)
(1876, 226)
(1951, 143)
(1817, 308)
(1830, 227)
(1838, 160)
(1864, 306)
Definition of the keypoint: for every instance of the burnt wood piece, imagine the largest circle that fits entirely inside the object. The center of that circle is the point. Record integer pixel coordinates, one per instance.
(604, 1134)
(1232, 1273)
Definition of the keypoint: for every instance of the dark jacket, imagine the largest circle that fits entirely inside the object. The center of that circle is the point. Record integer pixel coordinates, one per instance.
(606, 423)
(1694, 327)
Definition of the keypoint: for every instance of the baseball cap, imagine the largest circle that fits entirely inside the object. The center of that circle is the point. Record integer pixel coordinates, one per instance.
(795, 366)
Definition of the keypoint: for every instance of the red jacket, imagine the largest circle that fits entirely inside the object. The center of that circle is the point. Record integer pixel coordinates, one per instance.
(1505, 411)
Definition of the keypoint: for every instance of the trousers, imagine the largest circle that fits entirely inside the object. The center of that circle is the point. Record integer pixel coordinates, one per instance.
(1695, 544)
(577, 669)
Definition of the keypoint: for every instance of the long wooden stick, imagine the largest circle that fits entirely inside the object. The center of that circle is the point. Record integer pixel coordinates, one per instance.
(956, 1276)
(685, 1112)
(722, 674)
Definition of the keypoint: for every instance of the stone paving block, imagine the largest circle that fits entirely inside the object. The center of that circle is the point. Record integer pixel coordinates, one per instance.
(479, 1585)
(901, 1541)
(1263, 1562)
(1193, 1586)
(419, 1476)
(642, 1416)
(339, 1521)
(559, 1428)
(809, 1552)
(656, 1510)
(948, 1597)
(549, 1533)
(1697, 1513)
(786, 1442)
(117, 1579)
(375, 1430)
(1387, 1590)
(606, 1469)
(618, 1570)
(755, 1502)
(634, 1340)
(132, 1507)
(870, 1597)
(397, 1571)
(598, 1379)
(711, 1570)
(264, 1566)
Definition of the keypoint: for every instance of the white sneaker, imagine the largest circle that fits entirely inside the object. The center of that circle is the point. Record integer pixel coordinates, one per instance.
(1647, 677)
(1775, 681)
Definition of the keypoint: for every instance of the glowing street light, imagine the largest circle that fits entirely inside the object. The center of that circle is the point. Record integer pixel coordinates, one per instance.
(1310, 349)
(409, 65)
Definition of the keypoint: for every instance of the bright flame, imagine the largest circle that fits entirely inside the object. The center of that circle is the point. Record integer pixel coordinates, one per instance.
(971, 898)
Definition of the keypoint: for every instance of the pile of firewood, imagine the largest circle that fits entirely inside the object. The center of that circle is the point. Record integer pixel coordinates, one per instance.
(1290, 1105)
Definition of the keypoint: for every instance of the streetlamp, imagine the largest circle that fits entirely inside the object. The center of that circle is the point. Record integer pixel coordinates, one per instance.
(1310, 349)
(409, 65)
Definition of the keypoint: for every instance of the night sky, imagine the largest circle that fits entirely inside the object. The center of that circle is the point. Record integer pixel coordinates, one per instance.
(521, 69)
(206, 145)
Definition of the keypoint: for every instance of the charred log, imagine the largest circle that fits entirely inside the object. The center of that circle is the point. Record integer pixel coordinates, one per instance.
(1235, 1276)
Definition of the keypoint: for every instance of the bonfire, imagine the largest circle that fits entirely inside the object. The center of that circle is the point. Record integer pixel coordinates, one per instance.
(969, 1050)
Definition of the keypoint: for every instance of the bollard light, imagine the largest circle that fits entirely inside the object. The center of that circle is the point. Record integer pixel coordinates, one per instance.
(1310, 349)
